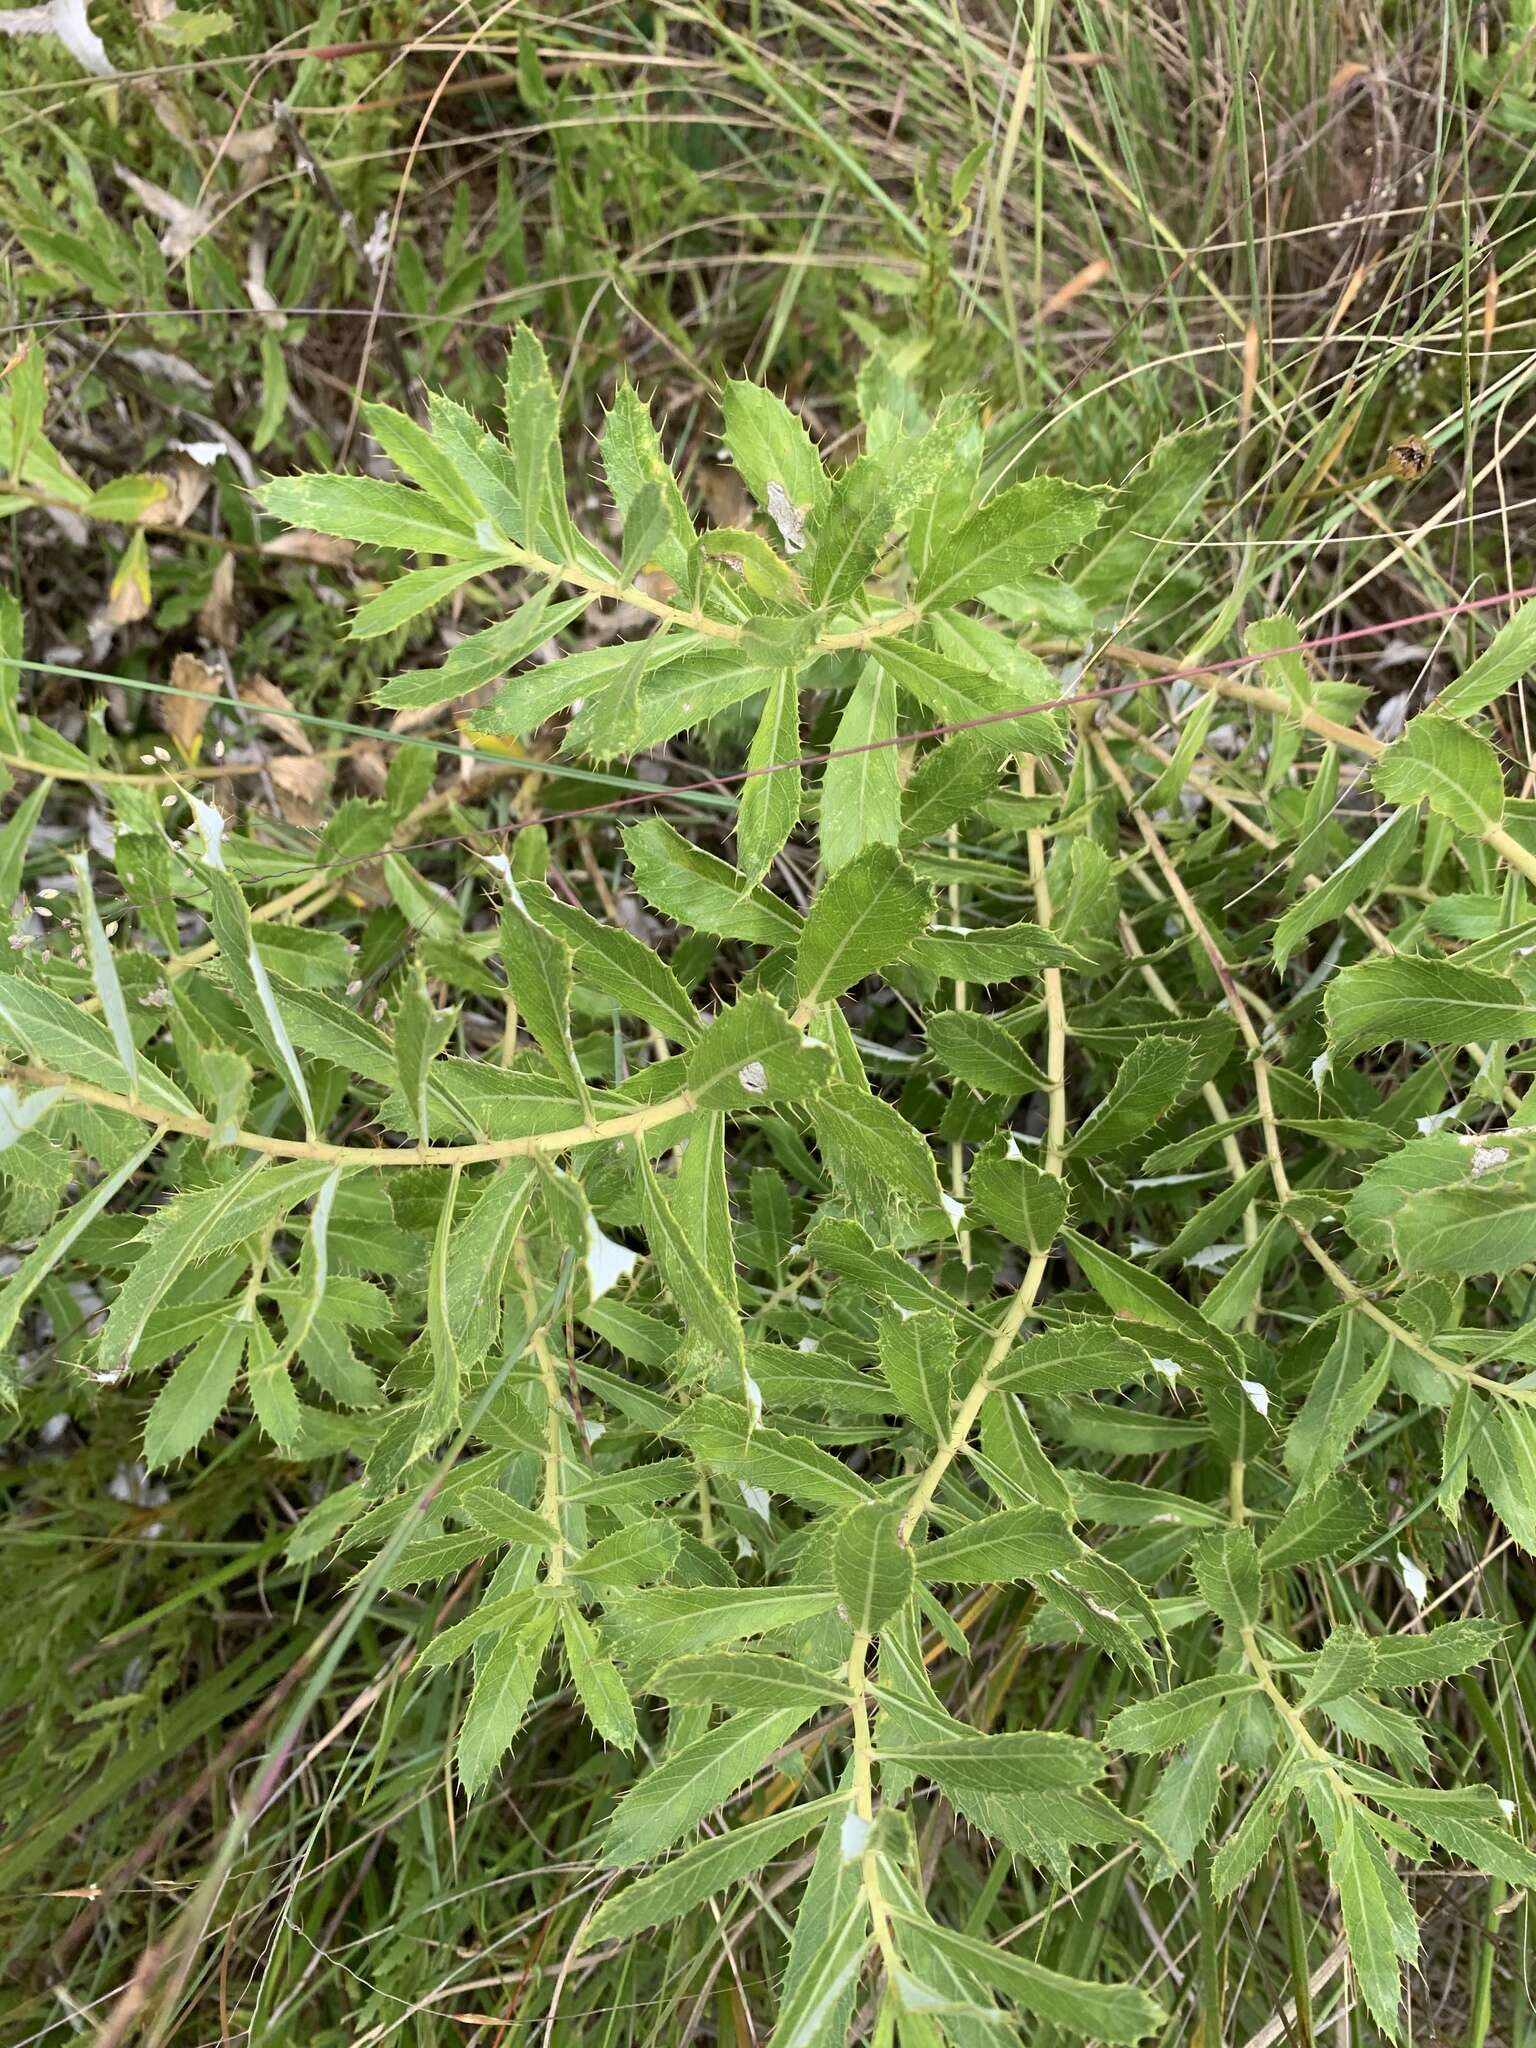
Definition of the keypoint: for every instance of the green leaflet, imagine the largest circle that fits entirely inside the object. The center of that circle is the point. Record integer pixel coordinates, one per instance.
(633, 462)
(702, 1871)
(1017, 1543)
(917, 1361)
(378, 514)
(600, 1689)
(1227, 1573)
(704, 1292)
(538, 967)
(1341, 1396)
(752, 1056)
(194, 1397)
(701, 892)
(1379, 1922)
(668, 1622)
(747, 1681)
(1508, 656)
(873, 1153)
(733, 1441)
(617, 964)
(865, 917)
(1392, 1001)
(977, 1049)
(675, 1795)
(1169, 1719)
(1150, 1082)
(61, 1036)
(771, 802)
(505, 1676)
(1017, 1197)
(1455, 771)
(1372, 861)
(871, 1567)
(1103, 2012)
(193, 1226)
(860, 799)
(1025, 527)
(771, 448)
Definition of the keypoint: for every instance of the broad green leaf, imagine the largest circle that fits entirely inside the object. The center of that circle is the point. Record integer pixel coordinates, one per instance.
(1227, 1573)
(422, 460)
(685, 883)
(700, 1872)
(751, 1056)
(871, 1567)
(860, 798)
(1346, 1662)
(56, 1243)
(1101, 2012)
(420, 1035)
(1439, 1653)
(1396, 1000)
(1026, 527)
(1128, 1290)
(1162, 500)
(1179, 1811)
(1455, 771)
(917, 1362)
(484, 657)
(1332, 1522)
(1015, 1196)
(230, 918)
(865, 917)
(1508, 656)
(676, 1794)
(1017, 1543)
(418, 591)
(195, 1395)
(596, 1680)
(631, 1556)
(978, 1050)
(1469, 1821)
(815, 2007)
(771, 802)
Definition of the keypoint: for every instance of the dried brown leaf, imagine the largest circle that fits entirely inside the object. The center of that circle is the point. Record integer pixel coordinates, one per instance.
(219, 620)
(275, 710)
(186, 713)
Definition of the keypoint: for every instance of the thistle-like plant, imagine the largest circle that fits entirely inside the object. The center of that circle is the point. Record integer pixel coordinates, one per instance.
(975, 1223)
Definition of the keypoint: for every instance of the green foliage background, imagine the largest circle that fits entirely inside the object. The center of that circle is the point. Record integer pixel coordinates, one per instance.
(648, 1400)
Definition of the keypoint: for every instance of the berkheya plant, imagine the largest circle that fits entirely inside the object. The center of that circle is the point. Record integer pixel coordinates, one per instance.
(848, 1400)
